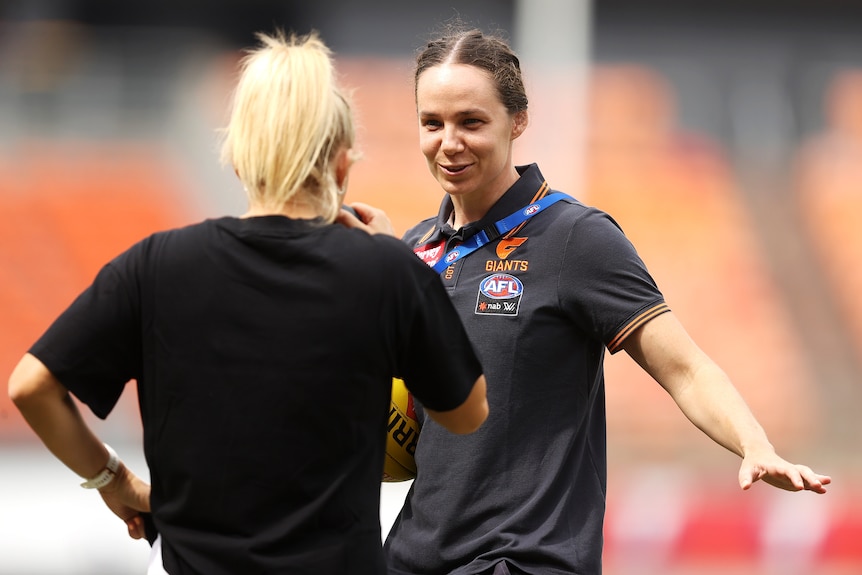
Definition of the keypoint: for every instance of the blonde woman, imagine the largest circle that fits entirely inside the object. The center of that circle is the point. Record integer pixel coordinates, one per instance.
(263, 347)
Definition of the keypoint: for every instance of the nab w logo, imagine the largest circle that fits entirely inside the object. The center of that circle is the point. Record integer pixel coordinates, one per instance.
(507, 245)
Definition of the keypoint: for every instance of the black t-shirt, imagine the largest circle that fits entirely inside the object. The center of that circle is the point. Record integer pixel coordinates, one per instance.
(263, 350)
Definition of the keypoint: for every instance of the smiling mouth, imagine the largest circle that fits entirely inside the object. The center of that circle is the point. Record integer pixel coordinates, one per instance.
(453, 170)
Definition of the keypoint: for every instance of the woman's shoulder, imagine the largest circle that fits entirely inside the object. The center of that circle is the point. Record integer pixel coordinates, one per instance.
(573, 210)
(392, 246)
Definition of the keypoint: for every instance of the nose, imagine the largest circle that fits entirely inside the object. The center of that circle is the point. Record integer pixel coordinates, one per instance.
(451, 141)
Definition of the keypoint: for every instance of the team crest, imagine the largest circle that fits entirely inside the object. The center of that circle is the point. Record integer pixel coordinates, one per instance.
(499, 294)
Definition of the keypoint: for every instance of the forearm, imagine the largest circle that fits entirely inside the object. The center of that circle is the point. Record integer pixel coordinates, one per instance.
(700, 388)
(50, 411)
(712, 403)
(53, 415)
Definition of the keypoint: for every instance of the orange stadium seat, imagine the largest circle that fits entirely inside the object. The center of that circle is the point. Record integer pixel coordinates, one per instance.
(829, 195)
(674, 195)
(67, 211)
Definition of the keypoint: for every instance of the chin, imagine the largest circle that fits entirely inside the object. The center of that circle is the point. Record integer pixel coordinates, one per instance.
(454, 187)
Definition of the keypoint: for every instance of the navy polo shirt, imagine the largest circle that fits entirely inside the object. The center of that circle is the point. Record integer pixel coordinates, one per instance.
(541, 305)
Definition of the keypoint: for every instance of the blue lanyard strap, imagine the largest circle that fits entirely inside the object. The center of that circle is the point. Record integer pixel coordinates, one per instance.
(491, 233)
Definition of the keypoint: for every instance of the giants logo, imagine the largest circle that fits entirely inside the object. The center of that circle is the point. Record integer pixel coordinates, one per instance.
(507, 245)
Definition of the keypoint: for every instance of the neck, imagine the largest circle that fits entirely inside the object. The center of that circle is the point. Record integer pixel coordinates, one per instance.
(297, 210)
(473, 206)
(465, 212)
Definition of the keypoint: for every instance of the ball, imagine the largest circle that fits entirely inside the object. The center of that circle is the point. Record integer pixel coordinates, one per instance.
(402, 434)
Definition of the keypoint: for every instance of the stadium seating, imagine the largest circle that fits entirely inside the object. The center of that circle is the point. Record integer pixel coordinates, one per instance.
(675, 196)
(829, 196)
(69, 208)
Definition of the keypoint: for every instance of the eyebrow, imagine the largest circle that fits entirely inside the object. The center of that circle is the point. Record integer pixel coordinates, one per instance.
(470, 112)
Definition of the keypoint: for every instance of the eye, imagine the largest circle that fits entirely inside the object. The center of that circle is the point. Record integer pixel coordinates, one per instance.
(431, 124)
(473, 122)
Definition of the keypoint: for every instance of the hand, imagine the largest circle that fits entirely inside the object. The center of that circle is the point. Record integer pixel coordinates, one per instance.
(127, 496)
(371, 220)
(777, 472)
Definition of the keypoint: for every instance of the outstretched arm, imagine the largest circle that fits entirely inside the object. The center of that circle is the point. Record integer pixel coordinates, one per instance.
(710, 401)
(50, 411)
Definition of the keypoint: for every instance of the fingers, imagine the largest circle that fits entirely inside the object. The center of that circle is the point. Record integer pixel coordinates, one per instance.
(813, 481)
(745, 482)
(748, 476)
(803, 478)
(348, 219)
(376, 221)
(355, 219)
(136, 527)
(787, 476)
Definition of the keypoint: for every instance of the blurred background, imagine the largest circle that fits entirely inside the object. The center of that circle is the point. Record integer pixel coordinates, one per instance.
(725, 138)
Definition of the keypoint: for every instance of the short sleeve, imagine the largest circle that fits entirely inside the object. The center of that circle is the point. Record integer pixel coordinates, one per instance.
(93, 347)
(604, 284)
(437, 361)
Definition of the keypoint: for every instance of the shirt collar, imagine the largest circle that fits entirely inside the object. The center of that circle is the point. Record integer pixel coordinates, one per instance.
(527, 189)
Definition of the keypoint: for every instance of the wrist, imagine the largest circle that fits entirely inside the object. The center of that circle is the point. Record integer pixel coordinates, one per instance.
(756, 447)
(106, 476)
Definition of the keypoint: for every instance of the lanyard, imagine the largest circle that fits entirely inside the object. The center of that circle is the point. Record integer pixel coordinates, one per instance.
(491, 233)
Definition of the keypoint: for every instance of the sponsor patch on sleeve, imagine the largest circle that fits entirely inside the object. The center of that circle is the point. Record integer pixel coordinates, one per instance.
(499, 294)
(430, 253)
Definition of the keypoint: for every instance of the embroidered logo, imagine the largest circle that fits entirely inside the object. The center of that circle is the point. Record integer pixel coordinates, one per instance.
(507, 245)
(499, 294)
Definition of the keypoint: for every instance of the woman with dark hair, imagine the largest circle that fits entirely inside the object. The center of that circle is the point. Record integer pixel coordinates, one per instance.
(545, 286)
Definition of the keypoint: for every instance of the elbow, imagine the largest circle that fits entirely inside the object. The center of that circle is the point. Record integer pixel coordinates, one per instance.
(469, 416)
(19, 392)
(31, 382)
(468, 423)
(474, 423)
(477, 407)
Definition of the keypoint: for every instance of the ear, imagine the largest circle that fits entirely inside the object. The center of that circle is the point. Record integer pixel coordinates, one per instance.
(342, 167)
(519, 123)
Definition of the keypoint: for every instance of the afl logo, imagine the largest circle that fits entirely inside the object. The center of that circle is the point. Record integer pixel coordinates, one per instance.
(501, 286)
(452, 256)
(532, 209)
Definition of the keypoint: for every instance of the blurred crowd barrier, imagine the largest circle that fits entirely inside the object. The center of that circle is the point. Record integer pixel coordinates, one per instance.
(68, 205)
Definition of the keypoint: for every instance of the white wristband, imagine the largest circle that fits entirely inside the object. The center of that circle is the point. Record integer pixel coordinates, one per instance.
(107, 474)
